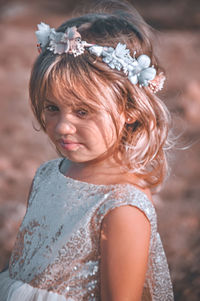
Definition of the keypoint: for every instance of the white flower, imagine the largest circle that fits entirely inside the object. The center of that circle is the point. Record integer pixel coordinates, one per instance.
(96, 50)
(142, 73)
(121, 51)
(144, 61)
(43, 34)
(59, 43)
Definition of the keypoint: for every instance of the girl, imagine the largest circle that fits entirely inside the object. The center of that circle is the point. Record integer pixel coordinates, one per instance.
(90, 230)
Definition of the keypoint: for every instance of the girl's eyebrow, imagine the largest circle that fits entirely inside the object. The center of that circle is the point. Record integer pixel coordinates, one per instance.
(49, 101)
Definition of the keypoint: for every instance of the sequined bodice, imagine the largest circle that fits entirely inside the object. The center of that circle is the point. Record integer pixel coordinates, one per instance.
(57, 247)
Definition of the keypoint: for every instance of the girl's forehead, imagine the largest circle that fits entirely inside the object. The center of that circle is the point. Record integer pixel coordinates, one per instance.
(67, 96)
(56, 100)
(65, 88)
(62, 96)
(71, 101)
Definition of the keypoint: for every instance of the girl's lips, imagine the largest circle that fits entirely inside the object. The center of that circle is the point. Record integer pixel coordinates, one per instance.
(69, 145)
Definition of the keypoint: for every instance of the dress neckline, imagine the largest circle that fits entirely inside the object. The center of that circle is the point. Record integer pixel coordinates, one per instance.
(59, 163)
(72, 180)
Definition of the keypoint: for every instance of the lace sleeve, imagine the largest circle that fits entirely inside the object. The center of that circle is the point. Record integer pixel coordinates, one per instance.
(136, 199)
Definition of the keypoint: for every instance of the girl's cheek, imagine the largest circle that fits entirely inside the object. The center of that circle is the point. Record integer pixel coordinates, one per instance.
(50, 119)
(50, 125)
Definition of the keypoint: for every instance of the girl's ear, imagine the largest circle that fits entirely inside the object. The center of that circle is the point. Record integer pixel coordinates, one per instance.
(127, 119)
(130, 120)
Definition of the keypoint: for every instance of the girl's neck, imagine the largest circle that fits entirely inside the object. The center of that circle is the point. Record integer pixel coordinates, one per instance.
(107, 172)
(94, 172)
(103, 173)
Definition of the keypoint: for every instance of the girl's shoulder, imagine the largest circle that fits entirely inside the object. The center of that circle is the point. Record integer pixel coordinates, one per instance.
(44, 171)
(48, 167)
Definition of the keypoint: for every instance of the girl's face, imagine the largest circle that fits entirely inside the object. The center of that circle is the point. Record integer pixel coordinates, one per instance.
(78, 134)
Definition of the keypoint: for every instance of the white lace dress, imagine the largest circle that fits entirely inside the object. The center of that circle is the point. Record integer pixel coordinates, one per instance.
(56, 255)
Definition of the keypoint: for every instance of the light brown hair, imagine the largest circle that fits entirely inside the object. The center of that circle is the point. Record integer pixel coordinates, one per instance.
(141, 144)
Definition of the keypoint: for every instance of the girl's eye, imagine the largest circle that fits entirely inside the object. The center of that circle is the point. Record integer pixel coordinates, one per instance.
(51, 108)
(81, 113)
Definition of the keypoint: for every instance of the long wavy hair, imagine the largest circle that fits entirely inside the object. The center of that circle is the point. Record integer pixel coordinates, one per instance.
(141, 145)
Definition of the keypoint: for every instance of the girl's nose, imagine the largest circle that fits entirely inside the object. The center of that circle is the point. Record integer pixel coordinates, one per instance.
(65, 126)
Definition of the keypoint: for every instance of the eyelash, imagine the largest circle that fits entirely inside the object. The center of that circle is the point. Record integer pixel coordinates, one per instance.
(51, 108)
(82, 113)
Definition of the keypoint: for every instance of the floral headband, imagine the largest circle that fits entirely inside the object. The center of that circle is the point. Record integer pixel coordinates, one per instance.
(138, 70)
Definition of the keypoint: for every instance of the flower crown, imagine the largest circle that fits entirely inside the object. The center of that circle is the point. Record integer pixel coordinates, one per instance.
(137, 69)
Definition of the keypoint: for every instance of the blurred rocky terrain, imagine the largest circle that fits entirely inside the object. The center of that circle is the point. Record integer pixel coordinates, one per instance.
(22, 149)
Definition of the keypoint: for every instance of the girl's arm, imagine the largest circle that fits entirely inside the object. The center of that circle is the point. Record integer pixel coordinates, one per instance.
(125, 238)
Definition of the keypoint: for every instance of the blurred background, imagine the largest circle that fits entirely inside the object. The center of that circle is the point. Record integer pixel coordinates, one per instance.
(22, 149)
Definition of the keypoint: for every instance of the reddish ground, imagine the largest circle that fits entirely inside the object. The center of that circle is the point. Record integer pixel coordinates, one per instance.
(23, 149)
